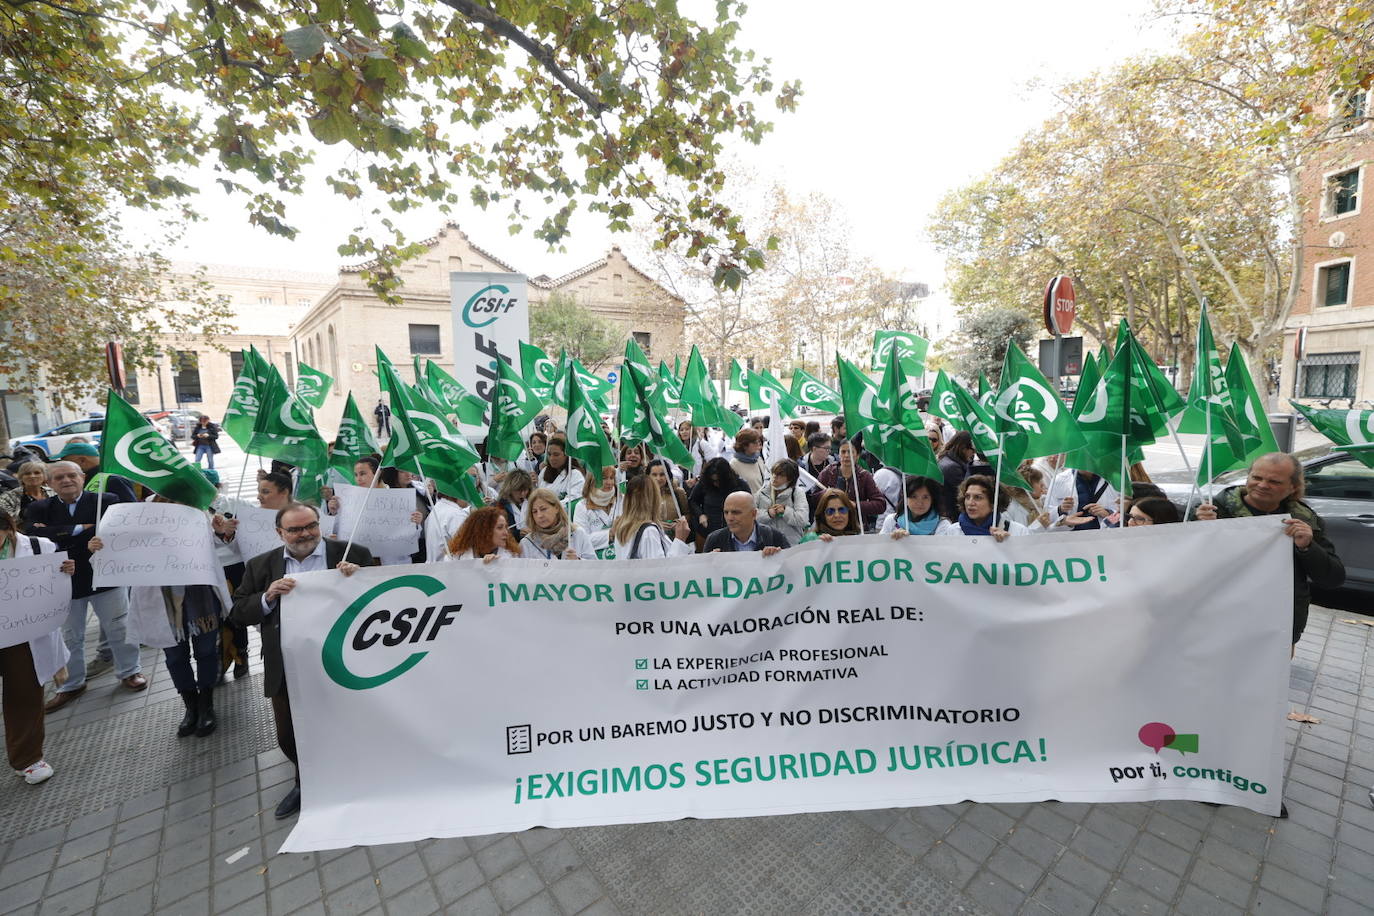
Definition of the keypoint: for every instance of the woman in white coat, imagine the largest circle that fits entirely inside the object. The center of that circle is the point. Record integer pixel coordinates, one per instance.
(976, 501)
(782, 504)
(27, 666)
(560, 473)
(638, 533)
(552, 535)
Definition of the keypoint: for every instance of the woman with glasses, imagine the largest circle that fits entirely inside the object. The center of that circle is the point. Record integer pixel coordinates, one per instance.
(835, 517)
(1154, 510)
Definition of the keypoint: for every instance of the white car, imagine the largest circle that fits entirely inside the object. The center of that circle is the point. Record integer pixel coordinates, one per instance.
(54, 440)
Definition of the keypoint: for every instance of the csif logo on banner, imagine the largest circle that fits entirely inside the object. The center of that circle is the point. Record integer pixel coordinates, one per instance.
(482, 304)
(147, 441)
(385, 627)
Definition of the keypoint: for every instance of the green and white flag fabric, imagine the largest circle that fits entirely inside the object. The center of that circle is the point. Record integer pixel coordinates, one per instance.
(633, 354)
(986, 393)
(1351, 431)
(640, 422)
(811, 392)
(863, 408)
(285, 430)
(469, 408)
(1028, 407)
(739, 378)
(1209, 408)
(587, 441)
(593, 386)
(765, 388)
(1103, 408)
(385, 370)
(909, 348)
(901, 438)
(132, 447)
(312, 385)
(667, 393)
(955, 403)
(245, 399)
(699, 396)
(423, 441)
(514, 405)
(353, 441)
(1257, 437)
(539, 372)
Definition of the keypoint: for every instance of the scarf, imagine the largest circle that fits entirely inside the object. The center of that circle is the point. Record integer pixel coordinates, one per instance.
(926, 524)
(747, 459)
(969, 526)
(553, 543)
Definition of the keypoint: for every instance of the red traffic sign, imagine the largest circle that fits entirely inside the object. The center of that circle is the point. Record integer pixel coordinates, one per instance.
(1060, 306)
(114, 365)
(1300, 344)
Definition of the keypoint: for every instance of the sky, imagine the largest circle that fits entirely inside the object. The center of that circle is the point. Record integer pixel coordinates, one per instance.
(900, 106)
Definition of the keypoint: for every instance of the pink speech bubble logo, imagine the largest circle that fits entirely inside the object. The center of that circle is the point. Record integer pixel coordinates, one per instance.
(1156, 735)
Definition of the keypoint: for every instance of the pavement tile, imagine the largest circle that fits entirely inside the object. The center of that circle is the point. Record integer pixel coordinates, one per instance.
(910, 836)
(440, 854)
(1053, 825)
(353, 899)
(516, 886)
(22, 869)
(1349, 834)
(289, 866)
(1344, 906)
(458, 880)
(401, 874)
(1018, 870)
(91, 822)
(135, 903)
(1299, 891)
(990, 821)
(602, 907)
(345, 869)
(22, 895)
(1034, 845)
(1199, 902)
(182, 884)
(552, 863)
(122, 881)
(1228, 857)
(1125, 897)
(135, 850)
(1063, 898)
(80, 899)
(1220, 882)
(577, 891)
(541, 905)
(70, 875)
(35, 842)
(952, 864)
(1352, 884)
(296, 893)
(478, 903)
(971, 842)
(1270, 904)
(1103, 851)
(419, 900)
(996, 894)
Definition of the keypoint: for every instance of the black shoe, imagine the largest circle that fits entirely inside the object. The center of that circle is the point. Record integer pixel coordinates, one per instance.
(205, 708)
(240, 670)
(290, 804)
(188, 721)
(1283, 809)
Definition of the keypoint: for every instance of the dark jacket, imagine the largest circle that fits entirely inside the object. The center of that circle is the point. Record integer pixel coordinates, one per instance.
(872, 503)
(260, 572)
(206, 435)
(764, 536)
(49, 518)
(954, 471)
(710, 502)
(1317, 565)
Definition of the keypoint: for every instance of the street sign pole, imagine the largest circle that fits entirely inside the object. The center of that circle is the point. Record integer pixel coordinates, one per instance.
(1060, 308)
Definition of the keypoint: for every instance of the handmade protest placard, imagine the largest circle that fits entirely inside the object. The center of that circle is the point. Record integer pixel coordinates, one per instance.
(155, 544)
(257, 529)
(863, 673)
(381, 518)
(35, 596)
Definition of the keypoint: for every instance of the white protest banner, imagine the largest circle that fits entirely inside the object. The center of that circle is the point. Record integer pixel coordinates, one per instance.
(385, 527)
(155, 544)
(35, 596)
(257, 530)
(491, 315)
(864, 673)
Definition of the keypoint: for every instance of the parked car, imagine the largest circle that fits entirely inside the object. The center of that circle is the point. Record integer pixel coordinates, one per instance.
(179, 421)
(1339, 489)
(160, 420)
(55, 439)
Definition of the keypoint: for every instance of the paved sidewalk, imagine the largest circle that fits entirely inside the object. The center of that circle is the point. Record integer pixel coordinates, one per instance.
(138, 822)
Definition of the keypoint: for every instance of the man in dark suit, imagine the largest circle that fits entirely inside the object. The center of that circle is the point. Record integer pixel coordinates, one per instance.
(741, 532)
(68, 520)
(266, 578)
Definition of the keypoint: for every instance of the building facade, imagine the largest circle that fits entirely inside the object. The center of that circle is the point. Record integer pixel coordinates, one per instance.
(1335, 303)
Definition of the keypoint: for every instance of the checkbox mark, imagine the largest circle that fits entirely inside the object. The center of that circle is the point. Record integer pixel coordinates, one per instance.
(641, 663)
(642, 684)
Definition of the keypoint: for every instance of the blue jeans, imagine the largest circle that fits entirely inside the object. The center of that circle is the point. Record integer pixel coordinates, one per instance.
(112, 609)
(203, 448)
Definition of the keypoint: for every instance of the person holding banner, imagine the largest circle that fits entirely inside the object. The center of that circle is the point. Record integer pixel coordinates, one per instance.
(976, 496)
(552, 536)
(1276, 486)
(484, 534)
(638, 533)
(783, 503)
(921, 513)
(69, 519)
(266, 578)
(835, 517)
(597, 509)
(858, 483)
(25, 667)
(560, 473)
(742, 532)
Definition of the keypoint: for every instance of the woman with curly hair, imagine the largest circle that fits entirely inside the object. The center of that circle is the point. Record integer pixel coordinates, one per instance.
(484, 534)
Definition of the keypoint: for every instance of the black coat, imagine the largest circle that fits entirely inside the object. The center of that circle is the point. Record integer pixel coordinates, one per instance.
(724, 541)
(710, 502)
(206, 435)
(49, 518)
(260, 572)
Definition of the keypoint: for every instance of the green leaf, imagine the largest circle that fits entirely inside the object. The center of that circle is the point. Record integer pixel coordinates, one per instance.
(364, 17)
(304, 42)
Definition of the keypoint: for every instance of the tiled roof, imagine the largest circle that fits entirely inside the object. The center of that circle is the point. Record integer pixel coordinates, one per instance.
(431, 242)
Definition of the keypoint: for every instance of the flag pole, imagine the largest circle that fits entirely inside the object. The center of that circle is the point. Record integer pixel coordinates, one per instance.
(997, 479)
(858, 506)
(358, 521)
(238, 491)
(1207, 450)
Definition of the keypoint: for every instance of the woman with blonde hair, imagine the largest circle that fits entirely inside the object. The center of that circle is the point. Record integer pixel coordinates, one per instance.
(552, 536)
(32, 487)
(638, 533)
(596, 511)
(484, 534)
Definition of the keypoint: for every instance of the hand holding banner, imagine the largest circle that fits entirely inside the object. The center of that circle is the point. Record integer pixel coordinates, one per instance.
(155, 544)
(381, 516)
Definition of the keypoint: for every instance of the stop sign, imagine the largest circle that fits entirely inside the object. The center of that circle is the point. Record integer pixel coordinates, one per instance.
(1060, 306)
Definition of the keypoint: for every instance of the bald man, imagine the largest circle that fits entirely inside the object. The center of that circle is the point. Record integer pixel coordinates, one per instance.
(741, 531)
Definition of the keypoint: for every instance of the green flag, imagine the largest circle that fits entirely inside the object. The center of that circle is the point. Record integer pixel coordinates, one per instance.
(514, 405)
(1105, 419)
(419, 375)
(812, 392)
(586, 439)
(312, 385)
(384, 363)
(955, 403)
(1256, 435)
(765, 388)
(739, 379)
(1027, 406)
(699, 396)
(132, 447)
(1350, 430)
(245, 399)
(901, 439)
(593, 386)
(353, 441)
(908, 347)
(423, 441)
(469, 408)
(638, 420)
(863, 406)
(633, 354)
(1208, 392)
(667, 393)
(986, 393)
(285, 430)
(539, 372)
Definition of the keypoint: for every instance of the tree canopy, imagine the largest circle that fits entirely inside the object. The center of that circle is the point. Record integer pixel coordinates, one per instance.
(562, 323)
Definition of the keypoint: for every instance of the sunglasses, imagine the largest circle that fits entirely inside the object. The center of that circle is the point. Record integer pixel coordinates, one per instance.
(836, 510)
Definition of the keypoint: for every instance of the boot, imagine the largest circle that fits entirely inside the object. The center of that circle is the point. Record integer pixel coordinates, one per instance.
(205, 721)
(188, 721)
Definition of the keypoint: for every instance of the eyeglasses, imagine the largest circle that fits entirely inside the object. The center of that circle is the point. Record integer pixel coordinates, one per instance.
(821, 448)
(836, 510)
(301, 529)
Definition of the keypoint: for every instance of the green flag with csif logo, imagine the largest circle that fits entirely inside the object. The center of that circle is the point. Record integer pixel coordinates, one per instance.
(132, 447)
(1028, 407)
(812, 392)
(467, 407)
(586, 439)
(514, 405)
(242, 410)
(640, 422)
(312, 385)
(423, 441)
(910, 350)
(285, 430)
(354, 440)
(539, 372)
(1351, 431)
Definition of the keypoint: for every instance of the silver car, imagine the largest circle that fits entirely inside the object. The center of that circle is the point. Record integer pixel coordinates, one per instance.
(1339, 489)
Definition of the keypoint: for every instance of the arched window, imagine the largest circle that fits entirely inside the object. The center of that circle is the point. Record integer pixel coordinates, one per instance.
(333, 353)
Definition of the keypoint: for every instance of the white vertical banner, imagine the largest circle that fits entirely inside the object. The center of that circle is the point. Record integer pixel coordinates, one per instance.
(491, 315)
(1124, 665)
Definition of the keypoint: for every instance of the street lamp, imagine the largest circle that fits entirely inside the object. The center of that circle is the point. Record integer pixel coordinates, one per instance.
(1177, 339)
(159, 359)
